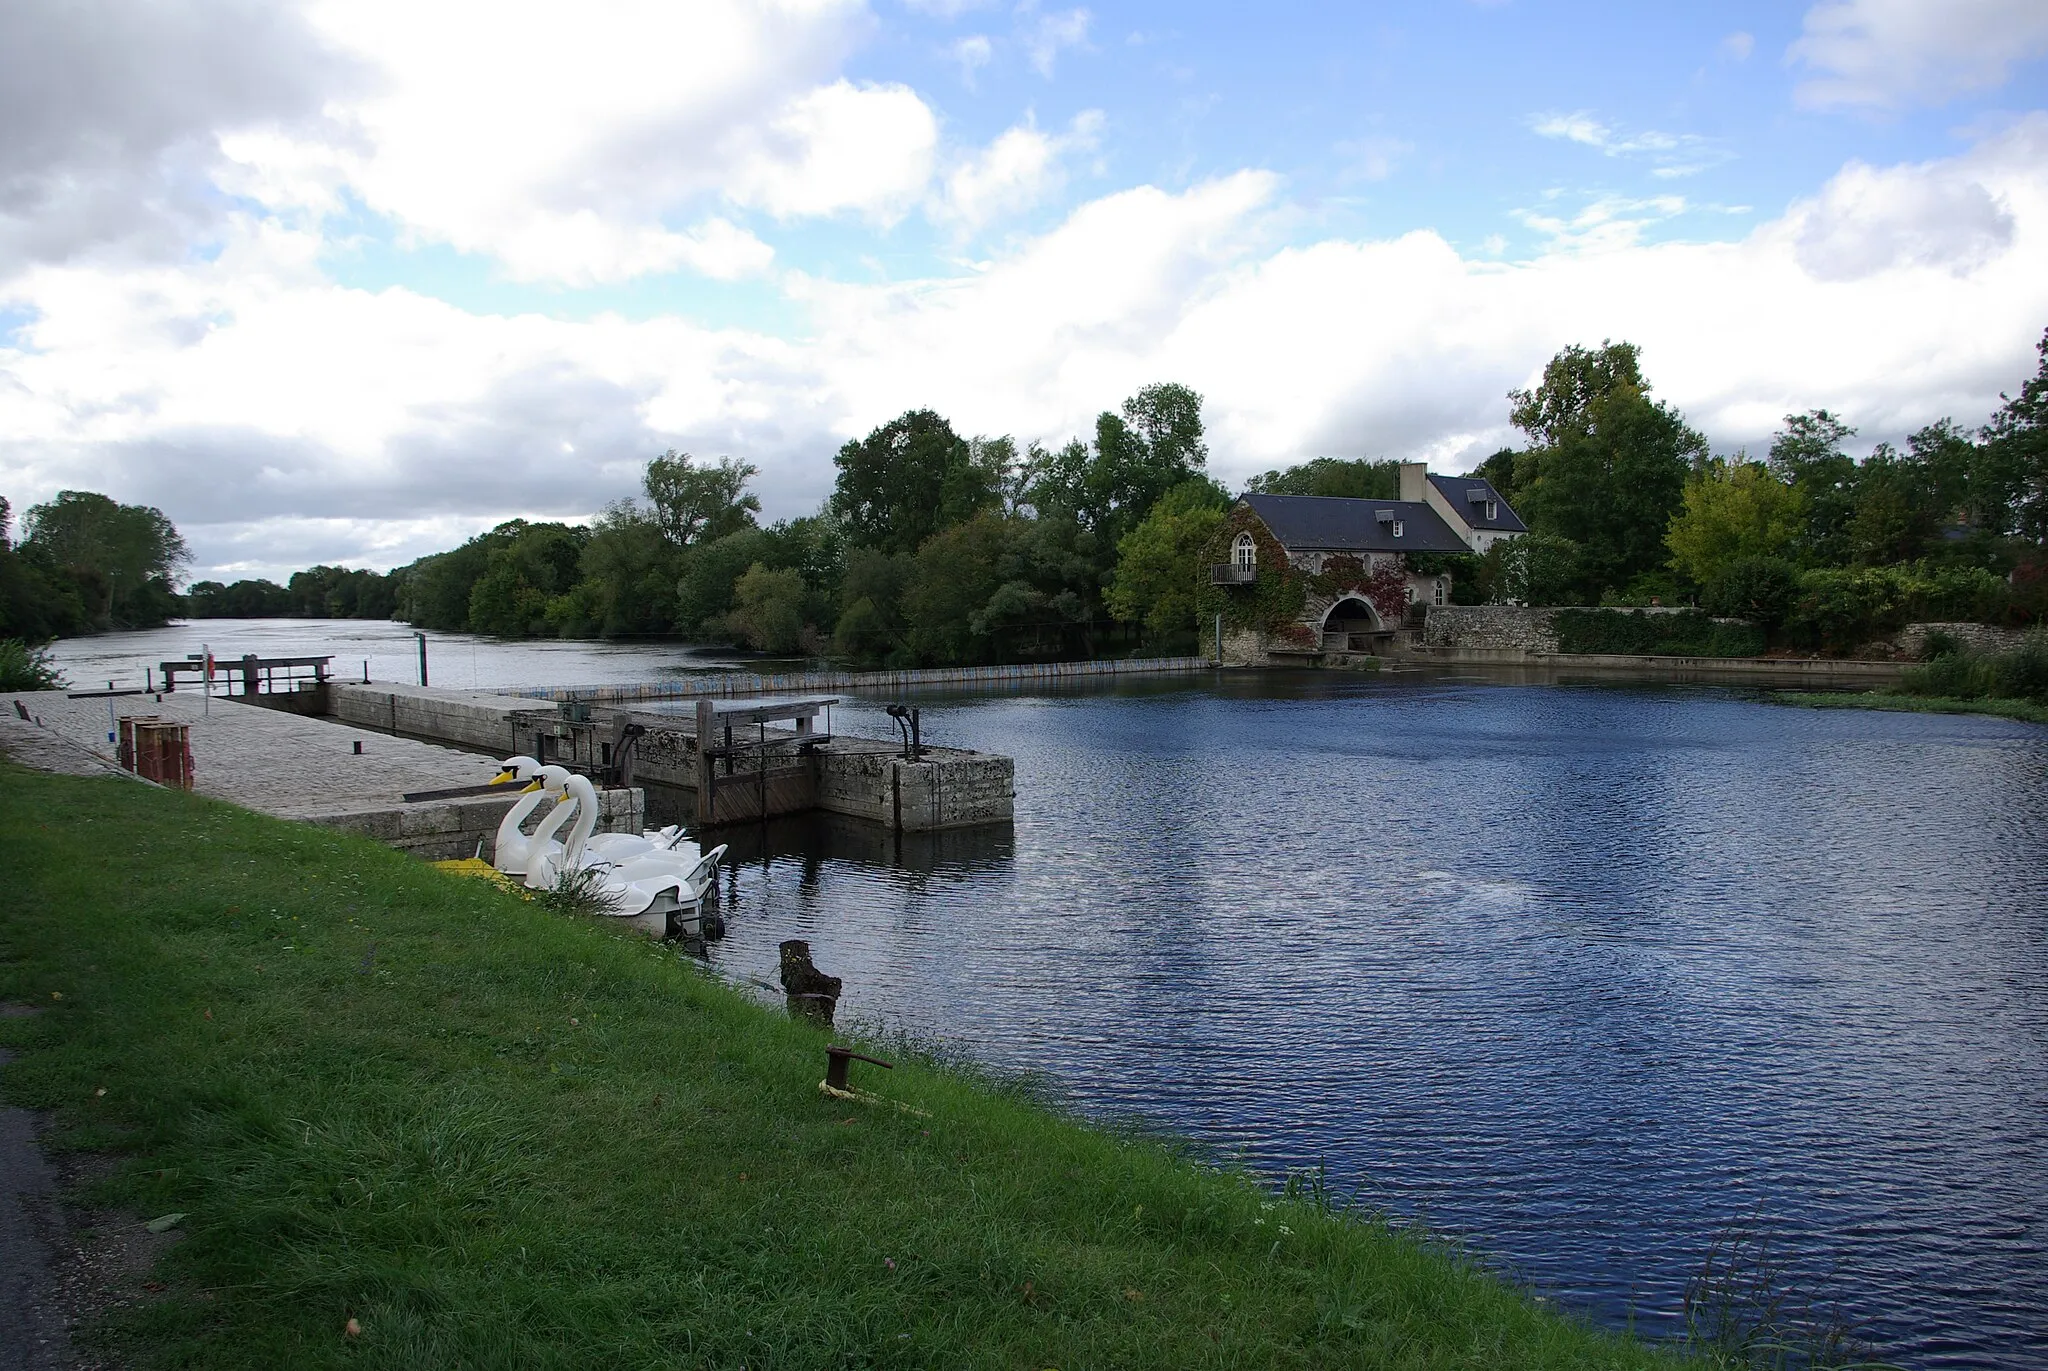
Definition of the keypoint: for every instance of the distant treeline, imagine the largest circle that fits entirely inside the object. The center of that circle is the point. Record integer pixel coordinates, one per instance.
(934, 548)
(321, 592)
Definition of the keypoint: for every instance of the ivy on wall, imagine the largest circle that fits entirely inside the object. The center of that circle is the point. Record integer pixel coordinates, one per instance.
(1274, 603)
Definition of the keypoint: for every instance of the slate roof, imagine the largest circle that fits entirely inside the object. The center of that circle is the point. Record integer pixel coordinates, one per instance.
(1327, 523)
(1459, 490)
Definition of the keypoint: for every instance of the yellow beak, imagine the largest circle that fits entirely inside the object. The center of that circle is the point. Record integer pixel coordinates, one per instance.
(530, 785)
(504, 777)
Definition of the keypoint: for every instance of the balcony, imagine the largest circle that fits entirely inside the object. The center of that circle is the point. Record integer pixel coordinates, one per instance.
(1232, 575)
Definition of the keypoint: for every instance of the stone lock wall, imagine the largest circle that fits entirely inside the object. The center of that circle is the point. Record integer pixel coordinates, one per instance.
(956, 790)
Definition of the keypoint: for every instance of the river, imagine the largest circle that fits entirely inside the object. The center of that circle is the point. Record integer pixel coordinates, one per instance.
(1593, 979)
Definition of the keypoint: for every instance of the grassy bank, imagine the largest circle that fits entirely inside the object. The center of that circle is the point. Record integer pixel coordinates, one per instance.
(497, 1137)
(2023, 710)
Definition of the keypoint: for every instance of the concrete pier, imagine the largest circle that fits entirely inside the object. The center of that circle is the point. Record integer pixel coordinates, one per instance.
(298, 768)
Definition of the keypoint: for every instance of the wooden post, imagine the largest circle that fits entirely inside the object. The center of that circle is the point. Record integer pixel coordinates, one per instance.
(706, 777)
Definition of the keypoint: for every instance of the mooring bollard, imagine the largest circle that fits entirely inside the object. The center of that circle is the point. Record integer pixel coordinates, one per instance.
(836, 1058)
(359, 747)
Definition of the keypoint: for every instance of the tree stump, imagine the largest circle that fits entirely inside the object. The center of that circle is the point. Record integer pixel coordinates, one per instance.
(810, 992)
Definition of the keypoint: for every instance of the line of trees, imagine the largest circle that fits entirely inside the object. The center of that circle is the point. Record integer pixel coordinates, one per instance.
(932, 548)
(1627, 506)
(936, 548)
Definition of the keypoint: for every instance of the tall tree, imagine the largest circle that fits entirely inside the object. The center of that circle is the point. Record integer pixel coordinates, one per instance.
(1337, 476)
(1608, 465)
(127, 554)
(696, 503)
(907, 480)
(2017, 440)
(1153, 446)
(1807, 454)
(1732, 511)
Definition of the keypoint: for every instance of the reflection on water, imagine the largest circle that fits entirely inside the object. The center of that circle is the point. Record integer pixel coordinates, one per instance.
(1588, 976)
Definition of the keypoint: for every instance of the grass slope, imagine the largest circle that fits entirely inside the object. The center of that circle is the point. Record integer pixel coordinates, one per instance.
(498, 1137)
(2023, 710)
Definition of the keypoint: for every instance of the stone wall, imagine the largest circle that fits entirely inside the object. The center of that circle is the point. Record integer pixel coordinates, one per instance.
(1494, 628)
(1912, 639)
(1513, 628)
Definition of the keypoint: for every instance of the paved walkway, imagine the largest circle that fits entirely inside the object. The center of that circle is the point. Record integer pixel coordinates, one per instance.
(262, 759)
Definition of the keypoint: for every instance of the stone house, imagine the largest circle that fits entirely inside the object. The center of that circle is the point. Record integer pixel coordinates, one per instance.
(1351, 560)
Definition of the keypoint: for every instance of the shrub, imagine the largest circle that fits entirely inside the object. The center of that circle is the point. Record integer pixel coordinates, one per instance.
(1961, 674)
(27, 668)
(1758, 588)
(1688, 633)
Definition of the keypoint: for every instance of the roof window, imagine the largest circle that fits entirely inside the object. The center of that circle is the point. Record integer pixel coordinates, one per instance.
(1493, 509)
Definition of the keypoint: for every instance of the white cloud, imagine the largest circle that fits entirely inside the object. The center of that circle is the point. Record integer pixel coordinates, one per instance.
(269, 411)
(1607, 224)
(840, 147)
(1903, 52)
(1673, 154)
(1739, 45)
(569, 144)
(1045, 34)
(972, 53)
(1867, 220)
(1018, 170)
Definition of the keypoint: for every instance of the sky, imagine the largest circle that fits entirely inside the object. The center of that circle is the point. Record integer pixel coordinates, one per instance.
(351, 280)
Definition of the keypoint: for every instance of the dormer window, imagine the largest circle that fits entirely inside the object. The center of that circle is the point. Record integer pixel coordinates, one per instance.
(1397, 528)
(1244, 554)
(1492, 510)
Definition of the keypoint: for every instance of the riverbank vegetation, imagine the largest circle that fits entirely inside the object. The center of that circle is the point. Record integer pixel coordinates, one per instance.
(1955, 678)
(410, 1120)
(86, 563)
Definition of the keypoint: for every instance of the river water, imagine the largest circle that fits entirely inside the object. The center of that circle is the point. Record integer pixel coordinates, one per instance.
(1595, 979)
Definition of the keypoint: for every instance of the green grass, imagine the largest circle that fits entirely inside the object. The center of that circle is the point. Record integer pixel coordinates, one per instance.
(2023, 710)
(501, 1137)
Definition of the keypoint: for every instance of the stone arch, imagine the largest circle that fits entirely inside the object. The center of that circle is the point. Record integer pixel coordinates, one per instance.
(1353, 610)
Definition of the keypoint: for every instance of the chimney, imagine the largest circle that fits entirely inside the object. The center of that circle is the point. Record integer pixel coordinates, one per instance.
(1414, 480)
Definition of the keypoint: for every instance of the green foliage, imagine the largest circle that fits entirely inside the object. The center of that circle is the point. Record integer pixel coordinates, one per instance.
(1734, 512)
(122, 558)
(1609, 466)
(2015, 444)
(997, 588)
(37, 602)
(1958, 673)
(27, 668)
(768, 612)
(1807, 455)
(1840, 609)
(1685, 633)
(1162, 569)
(699, 504)
(1333, 476)
(321, 592)
(1534, 569)
(908, 480)
(1762, 589)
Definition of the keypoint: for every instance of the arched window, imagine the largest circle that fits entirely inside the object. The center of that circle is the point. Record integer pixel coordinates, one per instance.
(1442, 587)
(1245, 553)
